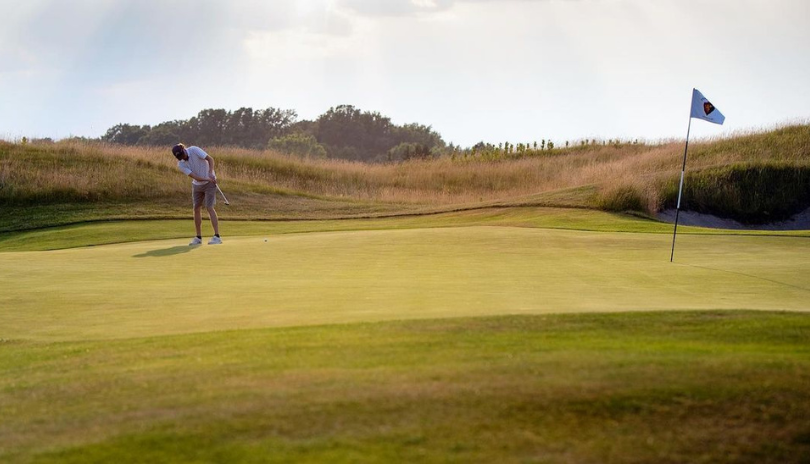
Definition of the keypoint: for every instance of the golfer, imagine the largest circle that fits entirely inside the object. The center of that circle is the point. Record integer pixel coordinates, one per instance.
(196, 163)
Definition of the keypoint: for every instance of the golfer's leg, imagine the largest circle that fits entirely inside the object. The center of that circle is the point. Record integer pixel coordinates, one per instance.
(198, 219)
(212, 213)
(197, 196)
(210, 201)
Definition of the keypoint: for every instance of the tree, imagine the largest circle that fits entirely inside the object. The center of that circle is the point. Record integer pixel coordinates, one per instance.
(405, 151)
(240, 128)
(304, 127)
(349, 132)
(417, 133)
(125, 134)
(301, 145)
(270, 123)
(162, 134)
(343, 131)
(209, 126)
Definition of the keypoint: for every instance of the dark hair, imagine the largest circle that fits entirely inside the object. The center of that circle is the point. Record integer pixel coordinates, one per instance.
(177, 150)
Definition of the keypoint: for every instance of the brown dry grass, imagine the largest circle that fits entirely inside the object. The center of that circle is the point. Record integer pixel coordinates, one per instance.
(76, 172)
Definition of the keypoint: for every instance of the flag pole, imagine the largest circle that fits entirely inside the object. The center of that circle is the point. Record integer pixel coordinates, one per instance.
(680, 189)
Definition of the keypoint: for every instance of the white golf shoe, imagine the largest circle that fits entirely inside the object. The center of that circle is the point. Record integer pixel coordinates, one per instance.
(195, 241)
(215, 241)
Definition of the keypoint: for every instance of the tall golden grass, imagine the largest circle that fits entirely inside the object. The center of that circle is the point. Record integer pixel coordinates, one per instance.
(629, 176)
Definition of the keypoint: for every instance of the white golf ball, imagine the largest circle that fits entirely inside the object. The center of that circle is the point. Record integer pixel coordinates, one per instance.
(265, 240)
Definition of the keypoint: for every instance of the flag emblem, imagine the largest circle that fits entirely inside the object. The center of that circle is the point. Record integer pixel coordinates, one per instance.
(703, 109)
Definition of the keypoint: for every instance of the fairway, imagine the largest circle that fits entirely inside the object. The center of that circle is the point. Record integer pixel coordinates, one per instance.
(166, 287)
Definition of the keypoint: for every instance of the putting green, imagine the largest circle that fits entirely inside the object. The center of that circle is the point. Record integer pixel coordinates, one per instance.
(165, 287)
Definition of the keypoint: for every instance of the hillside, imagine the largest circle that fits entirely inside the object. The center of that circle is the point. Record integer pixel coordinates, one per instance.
(752, 178)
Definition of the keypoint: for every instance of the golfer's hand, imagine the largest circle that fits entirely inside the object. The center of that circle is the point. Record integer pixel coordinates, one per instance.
(213, 179)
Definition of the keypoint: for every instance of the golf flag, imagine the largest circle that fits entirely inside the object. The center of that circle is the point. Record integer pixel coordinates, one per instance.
(703, 109)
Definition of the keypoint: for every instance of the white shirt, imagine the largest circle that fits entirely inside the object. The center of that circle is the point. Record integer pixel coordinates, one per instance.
(196, 164)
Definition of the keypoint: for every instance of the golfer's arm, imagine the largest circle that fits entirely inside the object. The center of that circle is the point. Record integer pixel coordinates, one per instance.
(196, 177)
(210, 164)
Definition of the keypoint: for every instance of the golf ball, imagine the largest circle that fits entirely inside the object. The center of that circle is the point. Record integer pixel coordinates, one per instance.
(265, 240)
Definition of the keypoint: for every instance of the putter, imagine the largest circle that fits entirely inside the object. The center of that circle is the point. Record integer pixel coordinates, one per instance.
(223, 195)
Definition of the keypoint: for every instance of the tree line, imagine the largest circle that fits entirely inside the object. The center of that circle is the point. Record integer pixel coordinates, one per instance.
(343, 132)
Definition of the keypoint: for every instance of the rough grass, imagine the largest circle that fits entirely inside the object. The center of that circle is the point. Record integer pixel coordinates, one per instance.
(714, 387)
(66, 176)
(750, 193)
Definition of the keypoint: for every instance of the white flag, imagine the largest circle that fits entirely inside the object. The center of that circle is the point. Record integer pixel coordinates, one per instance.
(703, 109)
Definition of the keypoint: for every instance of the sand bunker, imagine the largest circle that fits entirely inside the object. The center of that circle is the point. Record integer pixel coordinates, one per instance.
(800, 221)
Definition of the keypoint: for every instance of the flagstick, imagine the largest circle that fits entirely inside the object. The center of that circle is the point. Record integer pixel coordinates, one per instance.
(680, 189)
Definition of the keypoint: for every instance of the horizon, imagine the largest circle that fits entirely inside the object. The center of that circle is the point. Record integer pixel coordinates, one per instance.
(559, 144)
(473, 70)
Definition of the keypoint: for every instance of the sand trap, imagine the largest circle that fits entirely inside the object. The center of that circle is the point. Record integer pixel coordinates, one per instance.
(800, 221)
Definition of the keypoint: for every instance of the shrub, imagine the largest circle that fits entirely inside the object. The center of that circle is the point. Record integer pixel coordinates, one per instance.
(406, 151)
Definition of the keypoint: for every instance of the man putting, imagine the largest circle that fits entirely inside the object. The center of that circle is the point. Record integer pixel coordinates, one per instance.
(196, 163)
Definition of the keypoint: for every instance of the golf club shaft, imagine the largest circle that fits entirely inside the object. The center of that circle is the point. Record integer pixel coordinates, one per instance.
(223, 195)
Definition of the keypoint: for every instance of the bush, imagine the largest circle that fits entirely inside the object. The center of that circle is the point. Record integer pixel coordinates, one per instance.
(406, 151)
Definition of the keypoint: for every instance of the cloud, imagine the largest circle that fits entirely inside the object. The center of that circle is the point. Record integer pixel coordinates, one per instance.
(105, 41)
(394, 8)
(399, 8)
(64, 35)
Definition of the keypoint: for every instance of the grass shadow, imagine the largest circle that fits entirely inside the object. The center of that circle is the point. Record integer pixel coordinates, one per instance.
(171, 251)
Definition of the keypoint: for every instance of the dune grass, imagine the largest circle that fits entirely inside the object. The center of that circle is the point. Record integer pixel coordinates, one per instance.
(116, 181)
(754, 192)
(614, 388)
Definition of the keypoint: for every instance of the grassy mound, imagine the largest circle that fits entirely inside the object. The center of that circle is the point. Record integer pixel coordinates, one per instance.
(754, 178)
(754, 193)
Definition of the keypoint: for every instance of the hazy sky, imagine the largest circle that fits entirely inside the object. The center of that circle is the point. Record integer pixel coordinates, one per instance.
(516, 70)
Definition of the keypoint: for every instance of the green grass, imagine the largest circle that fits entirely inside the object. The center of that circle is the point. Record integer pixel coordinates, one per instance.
(154, 287)
(434, 338)
(643, 387)
(110, 232)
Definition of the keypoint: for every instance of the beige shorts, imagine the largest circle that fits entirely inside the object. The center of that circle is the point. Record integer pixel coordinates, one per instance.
(204, 195)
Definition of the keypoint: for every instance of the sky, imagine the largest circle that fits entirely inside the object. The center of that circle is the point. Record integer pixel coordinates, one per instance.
(474, 70)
